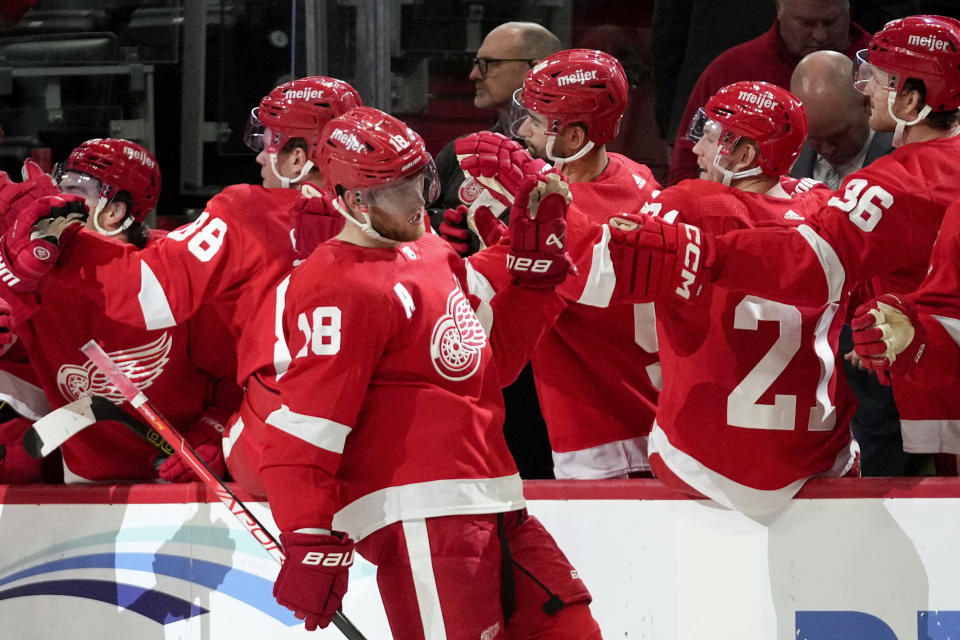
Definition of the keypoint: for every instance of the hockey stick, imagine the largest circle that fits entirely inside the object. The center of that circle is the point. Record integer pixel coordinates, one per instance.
(58, 426)
(140, 402)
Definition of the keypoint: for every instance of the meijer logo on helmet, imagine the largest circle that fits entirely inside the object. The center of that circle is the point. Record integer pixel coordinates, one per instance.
(931, 43)
(140, 155)
(762, 100)
(303, 94)
(348, 140)
(579, 76)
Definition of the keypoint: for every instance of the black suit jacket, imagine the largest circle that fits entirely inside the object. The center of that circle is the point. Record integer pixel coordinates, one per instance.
(881, 145)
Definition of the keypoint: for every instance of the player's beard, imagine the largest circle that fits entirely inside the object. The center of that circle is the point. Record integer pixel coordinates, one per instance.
(400, 228)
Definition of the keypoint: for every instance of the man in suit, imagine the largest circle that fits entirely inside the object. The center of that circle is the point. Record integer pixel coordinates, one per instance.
(840, 140)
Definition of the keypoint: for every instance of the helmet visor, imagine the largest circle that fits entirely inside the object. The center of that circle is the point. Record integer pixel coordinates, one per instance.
(702, 126)
(76, 183)
(524, 123)
(868, 78)
(407, 195)
(254, 132)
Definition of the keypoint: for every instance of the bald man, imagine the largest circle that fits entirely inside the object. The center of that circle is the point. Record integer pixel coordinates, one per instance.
(840, 140)
(502, 61)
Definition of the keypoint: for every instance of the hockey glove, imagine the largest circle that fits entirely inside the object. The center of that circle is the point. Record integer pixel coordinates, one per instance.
(888, 335)
(314, 221)
(653, 259)
(314, 577)
(538, 256)
(498, 163)
(29, 249)
(454, 229)
(7, 336)
(205, 436)
(16, 196)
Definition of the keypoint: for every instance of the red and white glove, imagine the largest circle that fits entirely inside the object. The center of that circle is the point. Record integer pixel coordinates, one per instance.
(315, 576)
(888, 335)
(498, 163)
(454, 228)
(205, 436)
(29, 249)
(538, 255)
(654, 259)
(314, 220)
(16, 196)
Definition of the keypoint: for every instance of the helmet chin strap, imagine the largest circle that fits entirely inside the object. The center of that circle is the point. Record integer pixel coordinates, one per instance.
(284, 181)
(366, 227)
(101, 203)
(730, 176)
(559, 162)
(901, 123)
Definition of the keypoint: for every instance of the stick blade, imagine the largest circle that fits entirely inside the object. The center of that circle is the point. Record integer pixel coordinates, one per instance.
(58, 426)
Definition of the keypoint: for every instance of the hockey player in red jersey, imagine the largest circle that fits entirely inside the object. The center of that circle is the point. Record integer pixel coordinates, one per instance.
(190, 373)
(751, 405)
(232, 257)
(880, 225)
(596, 370)
(390, 429)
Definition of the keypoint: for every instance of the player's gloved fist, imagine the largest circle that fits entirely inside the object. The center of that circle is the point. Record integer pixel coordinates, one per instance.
(453, 229)
(206, 437)
(314, 220)
(887, 334)
(498, 163)
(16, 196)
(538, 233)
(29, 249)
(7, 336)
(314, 577)
(653, 259)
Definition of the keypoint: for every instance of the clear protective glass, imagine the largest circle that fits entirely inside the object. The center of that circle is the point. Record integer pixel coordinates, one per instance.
(76, 183)
(524, 123)
(701, 125)
(868, 78)
(408, 195)
(253, 135)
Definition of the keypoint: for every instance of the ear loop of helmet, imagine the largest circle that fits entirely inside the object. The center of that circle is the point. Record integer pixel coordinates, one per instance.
(366, 227)
(284, 181)
(730, 176)
(901, 123)
(101, 204)
(557, 161)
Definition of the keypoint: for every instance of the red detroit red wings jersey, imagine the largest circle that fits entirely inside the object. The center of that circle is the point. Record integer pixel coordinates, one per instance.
(391, 390)
(596, 370)
(178, 367)
(231, 256)
(752, 404)
(881, 224)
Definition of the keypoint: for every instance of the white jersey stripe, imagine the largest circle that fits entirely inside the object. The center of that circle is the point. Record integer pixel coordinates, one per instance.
(951, 326)
(481, 287)
(930, 436)
(281, 352)
(832, 267)
(601, 280)
(608, 460)
(153, 301)
(424, 582)
(320, 432)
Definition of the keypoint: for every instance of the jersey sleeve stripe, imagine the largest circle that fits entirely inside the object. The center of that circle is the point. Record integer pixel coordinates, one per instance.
(951, 326)
(832, 267)
(602, 279)
(481, 287)
(153, 301)
(320, 432)
(281, 352)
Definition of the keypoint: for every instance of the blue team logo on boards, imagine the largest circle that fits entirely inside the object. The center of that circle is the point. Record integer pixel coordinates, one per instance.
(856, 625)
(80, 568)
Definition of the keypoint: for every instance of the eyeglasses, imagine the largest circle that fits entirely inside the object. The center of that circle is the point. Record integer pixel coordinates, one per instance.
(482, 64)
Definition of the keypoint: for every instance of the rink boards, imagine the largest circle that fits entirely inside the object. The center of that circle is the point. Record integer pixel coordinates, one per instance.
(846, 560)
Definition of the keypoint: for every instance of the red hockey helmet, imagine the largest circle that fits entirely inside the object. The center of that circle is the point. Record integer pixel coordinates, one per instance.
(298, 109)
(119, 166)
(365, 148)
(923, 47)
(769, 115)
(577, 85)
